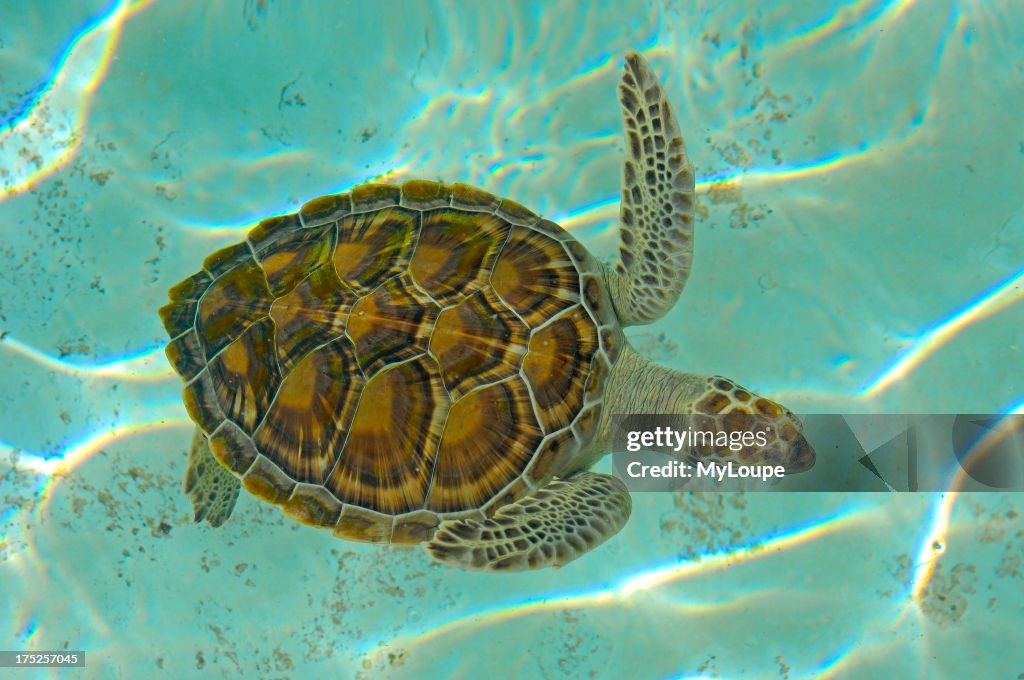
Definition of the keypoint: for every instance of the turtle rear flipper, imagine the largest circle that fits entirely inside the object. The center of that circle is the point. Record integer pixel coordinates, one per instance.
(549, 528)
(211, 487)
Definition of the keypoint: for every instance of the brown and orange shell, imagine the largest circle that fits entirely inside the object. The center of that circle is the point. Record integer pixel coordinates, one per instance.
(395, 356)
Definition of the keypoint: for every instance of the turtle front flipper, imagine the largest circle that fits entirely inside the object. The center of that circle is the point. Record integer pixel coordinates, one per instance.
(656, 212)
(549, 528)
(211, 487)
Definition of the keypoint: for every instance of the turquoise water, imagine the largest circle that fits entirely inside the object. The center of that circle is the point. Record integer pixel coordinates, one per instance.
(860, 250)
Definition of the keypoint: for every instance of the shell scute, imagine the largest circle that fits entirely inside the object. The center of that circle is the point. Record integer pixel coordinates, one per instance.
(387, 460)
(490, 435)
(246, 377)
(234, 301)
(265, 480)
(558, 364)
(580, 255)
(466, 197)
(360, 524)
(375, 246)
(179, 315)
(324, 209)
(200, 397)
(535, 277)
(415, 527)
(597, 378)
(233, 448)
(586, 422)
(455, 252)
(312, 504)
(552, 230)
(265, 235)
(391, 324)
(186, 355)
(373, 197)
(288, 252)
(554, 452)
(312, 314)
(611, 339)
(596, 299)
(226, 259)
(191, 288)
(305, 426)
(420, 194)
(476, 342)
(516, 213)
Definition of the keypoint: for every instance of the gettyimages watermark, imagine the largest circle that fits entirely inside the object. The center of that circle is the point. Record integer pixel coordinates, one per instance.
(887, 453)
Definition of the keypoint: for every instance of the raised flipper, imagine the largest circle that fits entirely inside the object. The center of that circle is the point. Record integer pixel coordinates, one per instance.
(656, 212)
(211, 487)
(549, 528)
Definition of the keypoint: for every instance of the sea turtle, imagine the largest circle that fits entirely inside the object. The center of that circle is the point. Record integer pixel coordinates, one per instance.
(429, 363)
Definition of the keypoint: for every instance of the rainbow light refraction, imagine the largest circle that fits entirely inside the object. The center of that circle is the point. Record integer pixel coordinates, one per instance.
(46, 133)
(925, 343)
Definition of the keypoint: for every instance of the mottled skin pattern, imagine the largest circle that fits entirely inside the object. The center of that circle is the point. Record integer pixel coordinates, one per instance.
(429, 363)
(656, 244)
(212, 488)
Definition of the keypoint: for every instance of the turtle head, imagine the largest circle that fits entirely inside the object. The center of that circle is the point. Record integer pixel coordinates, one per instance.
(748, 429)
